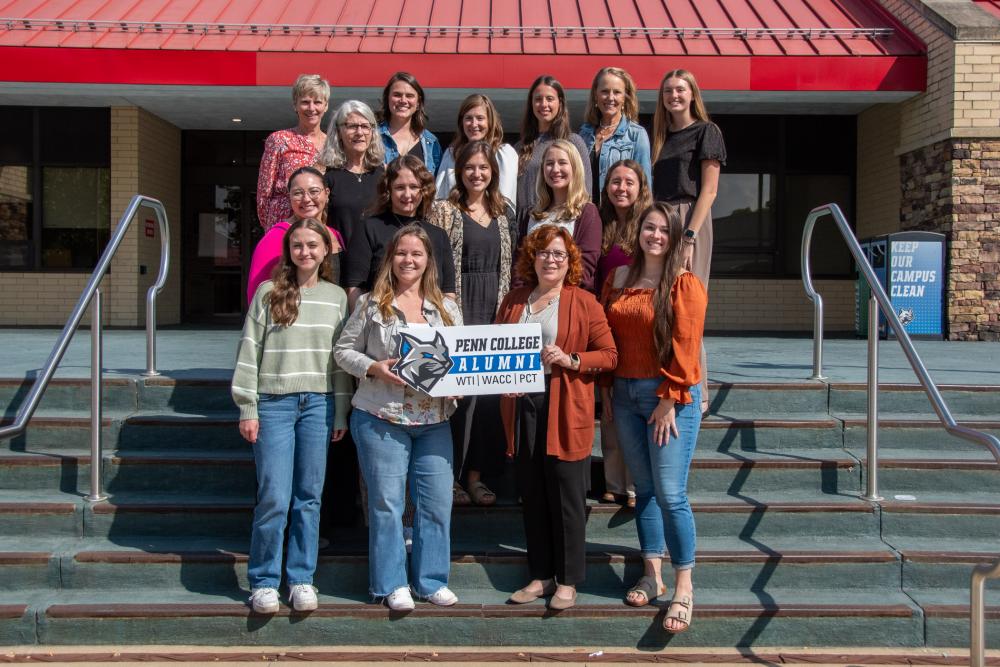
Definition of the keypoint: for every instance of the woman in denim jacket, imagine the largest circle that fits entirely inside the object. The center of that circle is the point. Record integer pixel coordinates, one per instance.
(402, 434)
(404, 121)
(611, 131)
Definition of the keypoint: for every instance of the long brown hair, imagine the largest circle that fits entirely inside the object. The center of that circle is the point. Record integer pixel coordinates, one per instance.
(529, 123)
(383, 197)
(630, 109)
(418, 121)
(284, 296)
(494, 135)
(493, 201)
(661, 118)
(623, 235)
(384, 290)
(663, 318)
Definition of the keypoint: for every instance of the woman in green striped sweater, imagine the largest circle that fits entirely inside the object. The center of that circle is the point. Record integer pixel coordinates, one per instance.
(293, 400)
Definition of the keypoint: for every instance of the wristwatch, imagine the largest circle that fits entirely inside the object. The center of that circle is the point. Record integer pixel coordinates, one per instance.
(689, 237)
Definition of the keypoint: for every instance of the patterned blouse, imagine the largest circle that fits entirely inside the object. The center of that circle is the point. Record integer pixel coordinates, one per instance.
(284, 152)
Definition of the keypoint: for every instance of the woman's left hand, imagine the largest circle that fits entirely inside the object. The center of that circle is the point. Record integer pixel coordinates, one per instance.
(338, 434)
(688, 256)
(664, 421)
(554, 356)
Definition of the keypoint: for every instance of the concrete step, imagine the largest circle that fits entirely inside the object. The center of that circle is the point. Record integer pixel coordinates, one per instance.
(973, 518)
(803, 618)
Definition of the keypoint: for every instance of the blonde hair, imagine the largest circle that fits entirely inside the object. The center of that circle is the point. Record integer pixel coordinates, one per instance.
(631, 107)
(384, 290)
(577, 196)
(661, 119)
(310, 84)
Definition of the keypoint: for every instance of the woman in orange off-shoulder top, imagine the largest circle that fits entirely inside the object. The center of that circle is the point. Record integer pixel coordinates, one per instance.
(656, 310)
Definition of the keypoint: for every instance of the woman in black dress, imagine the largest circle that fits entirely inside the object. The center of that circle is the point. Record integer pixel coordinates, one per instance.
(689, 153)
(483, 234)
(353, 158)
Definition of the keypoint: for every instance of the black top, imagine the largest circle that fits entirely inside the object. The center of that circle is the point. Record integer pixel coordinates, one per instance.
(595, 174)
(417, 151)
(350, 196)
(677, 171)
(480, 270)
(367, 247)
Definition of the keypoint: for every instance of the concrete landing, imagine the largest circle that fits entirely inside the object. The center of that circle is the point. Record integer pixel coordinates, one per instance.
(210, 354)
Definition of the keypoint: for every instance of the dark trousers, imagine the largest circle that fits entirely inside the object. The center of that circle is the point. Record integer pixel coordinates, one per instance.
(554, 499)
(478, 443)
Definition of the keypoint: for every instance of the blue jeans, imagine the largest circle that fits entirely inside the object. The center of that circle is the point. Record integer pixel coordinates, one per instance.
(390, 454)
(660, 474)
(290, 454)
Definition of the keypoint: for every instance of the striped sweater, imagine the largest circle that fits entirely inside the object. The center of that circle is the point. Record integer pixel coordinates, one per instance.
(274, 359)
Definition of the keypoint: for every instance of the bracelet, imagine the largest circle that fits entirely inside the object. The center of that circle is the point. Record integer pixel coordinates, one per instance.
(688, 241)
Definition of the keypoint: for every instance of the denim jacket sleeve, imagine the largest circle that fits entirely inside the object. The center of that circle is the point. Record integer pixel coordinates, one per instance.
(641, 154)
(432, 151)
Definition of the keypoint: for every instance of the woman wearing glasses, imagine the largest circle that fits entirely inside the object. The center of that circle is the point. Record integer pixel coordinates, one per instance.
(555, 430)
(307, 198)
(354, 157)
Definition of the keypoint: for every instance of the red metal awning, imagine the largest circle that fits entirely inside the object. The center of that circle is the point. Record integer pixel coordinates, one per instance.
(992, 6)
(730, 44)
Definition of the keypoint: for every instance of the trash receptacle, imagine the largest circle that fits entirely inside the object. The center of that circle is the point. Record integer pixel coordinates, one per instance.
(910, 267)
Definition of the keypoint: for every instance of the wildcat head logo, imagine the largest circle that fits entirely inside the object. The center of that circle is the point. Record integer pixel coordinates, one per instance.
(421, 363)
(905, 316)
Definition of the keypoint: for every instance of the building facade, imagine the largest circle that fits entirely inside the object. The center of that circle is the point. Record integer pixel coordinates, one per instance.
(890, 108)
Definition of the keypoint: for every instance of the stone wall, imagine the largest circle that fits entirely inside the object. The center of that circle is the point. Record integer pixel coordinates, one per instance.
(953, 187)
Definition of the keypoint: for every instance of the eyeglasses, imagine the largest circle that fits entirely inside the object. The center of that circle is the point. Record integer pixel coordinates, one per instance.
(557, 256)
(312, 193)
(363, 128)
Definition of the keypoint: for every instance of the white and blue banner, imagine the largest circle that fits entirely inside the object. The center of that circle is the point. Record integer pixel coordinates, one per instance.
(916, 281)
(472, 360)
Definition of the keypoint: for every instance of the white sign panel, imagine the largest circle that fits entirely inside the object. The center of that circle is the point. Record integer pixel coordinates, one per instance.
(472, 360)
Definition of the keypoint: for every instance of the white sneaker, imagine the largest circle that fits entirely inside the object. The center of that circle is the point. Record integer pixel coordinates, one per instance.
(443, 597)
(408, 538)
(264, 600)
(400, 599)
(303, 597)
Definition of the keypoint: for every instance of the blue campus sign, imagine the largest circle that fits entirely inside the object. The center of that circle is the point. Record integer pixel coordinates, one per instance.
(915, 270)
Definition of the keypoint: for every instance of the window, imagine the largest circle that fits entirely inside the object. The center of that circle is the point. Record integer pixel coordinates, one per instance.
(778, 169)
(55, 187)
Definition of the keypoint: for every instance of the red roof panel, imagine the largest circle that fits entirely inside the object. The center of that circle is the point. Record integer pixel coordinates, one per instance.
(992, 6)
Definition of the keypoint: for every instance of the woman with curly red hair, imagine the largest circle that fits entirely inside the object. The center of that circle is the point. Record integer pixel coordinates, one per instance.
(553, 454)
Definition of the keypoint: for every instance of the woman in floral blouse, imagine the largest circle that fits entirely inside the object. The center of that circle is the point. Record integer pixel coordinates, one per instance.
(288, 150)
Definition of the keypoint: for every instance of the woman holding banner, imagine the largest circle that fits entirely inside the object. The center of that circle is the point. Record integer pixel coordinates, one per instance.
(402, 434)
(556, 428)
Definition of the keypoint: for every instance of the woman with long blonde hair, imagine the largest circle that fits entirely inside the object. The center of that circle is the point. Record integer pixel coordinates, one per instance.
(689, 152)
(611, 129)
(562, 200)
(402, 434)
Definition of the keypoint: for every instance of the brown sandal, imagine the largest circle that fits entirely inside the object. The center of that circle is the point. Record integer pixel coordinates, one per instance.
(459, 497)
(683, 615)
(645, 586)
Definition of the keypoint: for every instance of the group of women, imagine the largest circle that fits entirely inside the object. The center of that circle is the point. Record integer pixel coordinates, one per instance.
(372, 230)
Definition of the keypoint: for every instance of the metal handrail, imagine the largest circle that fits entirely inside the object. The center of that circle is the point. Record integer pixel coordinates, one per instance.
(91, 296)
(977, 612)
(879, 301)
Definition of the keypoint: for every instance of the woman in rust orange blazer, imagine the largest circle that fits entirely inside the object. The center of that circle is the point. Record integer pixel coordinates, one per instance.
(553, 452)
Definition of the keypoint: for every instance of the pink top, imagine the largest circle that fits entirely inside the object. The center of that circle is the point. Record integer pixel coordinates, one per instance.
(268, 252)
(284, 152)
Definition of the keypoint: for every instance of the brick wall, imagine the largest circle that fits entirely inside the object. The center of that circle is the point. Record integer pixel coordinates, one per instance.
(977, 89)
(145, 153)
(736, 304)
(878, 194)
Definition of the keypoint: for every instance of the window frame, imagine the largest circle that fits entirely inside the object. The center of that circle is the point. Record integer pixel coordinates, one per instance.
(36, 168)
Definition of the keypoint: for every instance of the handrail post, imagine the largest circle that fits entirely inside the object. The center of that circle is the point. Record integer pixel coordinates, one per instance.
(871, 493)
(813, 295)
(977, 612)
(154, 289)
(96, 390)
